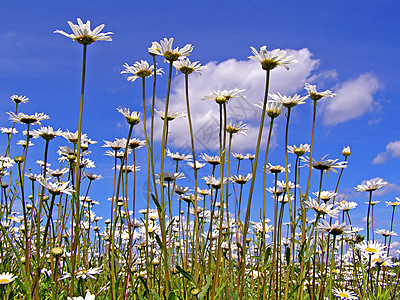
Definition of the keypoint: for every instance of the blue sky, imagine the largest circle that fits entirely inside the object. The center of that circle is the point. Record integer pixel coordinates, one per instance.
(350, 47)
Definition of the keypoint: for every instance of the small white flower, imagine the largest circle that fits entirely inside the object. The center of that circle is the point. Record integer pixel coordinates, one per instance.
(224, 96)
(314, 95)
(369, 186)
(288, 101)
(28, 119)
(270, 60)
(140, 69)
(6, 278)
(186, 67)
(19, 99)
(83, 35)
(164, 48)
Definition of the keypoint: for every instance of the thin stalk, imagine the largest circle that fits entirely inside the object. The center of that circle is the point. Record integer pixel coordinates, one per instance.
(253, 180)
(196, 231)
(77, 179)
(163, 149)
(303, 229)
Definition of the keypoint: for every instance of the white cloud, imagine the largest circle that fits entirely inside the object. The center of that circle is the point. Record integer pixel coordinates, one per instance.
(228, 75)
(354, 99)
(392, 150)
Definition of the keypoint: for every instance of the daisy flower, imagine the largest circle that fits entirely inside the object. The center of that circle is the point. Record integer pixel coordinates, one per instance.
(335, 229)
(273, 109)
(241, 179)
(88, 296)
(19, 99)
(131, 117)
(288, 101)
(224, 96)
(393, 203)
(115, 145)
(212, 160)
(135, 143)
(214, 182)
(83, 273)
(326, 165)
(8, 130)
(55, 188)
(370, 247)
(164, 48)
(6, 278)
(325, 195)
(238, 156)
(178, 157)
(314, 95)
(199, 165)
(170, 115)
(272, 59)
(92, 176)
(46, 133)
(239, 127)
(322, 208)
(346, 205)
(370, 186)
(385, 232)
(181, 190)
(83, 35)
(171, 176)
(27, 119)
(140, 69)
(344, 294)
(186, 67)
(276, 169)
(300, 150)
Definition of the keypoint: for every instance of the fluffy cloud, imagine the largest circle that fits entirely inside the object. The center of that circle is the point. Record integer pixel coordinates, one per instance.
(355, 98)
(227, 75)
(392, 150)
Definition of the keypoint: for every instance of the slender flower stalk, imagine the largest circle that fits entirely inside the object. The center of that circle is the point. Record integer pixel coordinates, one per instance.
(164, 48)
(85, 36)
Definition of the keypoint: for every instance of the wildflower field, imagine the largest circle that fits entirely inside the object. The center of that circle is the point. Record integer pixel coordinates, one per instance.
(170, 241)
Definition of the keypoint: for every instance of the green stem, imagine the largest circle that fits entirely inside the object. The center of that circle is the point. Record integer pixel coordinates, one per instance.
(77, 179)
(253, 180)
(163, 149)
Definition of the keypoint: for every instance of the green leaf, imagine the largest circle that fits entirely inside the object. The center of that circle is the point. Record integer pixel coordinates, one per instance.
(219, 290)
(156, 296)
(186, 275)
(205, 288)
(287, 255)
(267, 255)
(159, 242)
(232, 293)
(171, 296)
(156, 203)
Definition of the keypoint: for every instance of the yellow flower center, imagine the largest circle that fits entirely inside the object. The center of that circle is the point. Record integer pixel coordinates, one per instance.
(344, 295)
(221, 99)
(4, 281)
(171, 56)
(84, 39)
(143, 73)
(371, 250)
(268, 64)
(315, 96)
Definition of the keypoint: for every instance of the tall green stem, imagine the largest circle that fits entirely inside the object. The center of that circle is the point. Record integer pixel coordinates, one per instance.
(253, 180)
(77, 180)
(196, 233)
(163, 148)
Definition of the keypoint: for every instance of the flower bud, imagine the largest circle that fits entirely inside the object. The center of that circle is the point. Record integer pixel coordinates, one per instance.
(346, 151)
